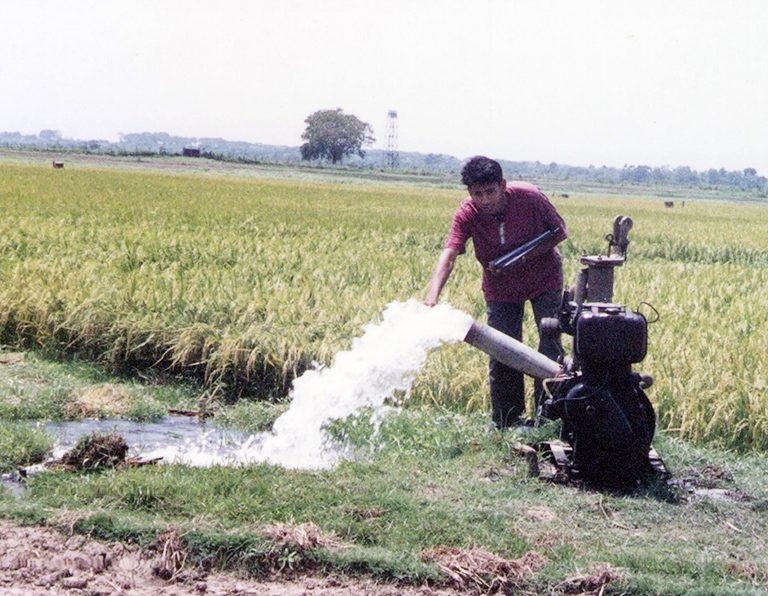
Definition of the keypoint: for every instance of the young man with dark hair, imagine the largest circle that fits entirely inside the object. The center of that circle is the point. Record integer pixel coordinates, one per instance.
(499, 216)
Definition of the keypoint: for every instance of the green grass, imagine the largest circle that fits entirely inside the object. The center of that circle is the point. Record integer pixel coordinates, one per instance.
(22, 444)
(428, 477)
(434, 478)
(250, 416)
(37, 389)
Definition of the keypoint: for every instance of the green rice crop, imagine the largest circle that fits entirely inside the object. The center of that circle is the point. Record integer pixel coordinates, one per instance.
(243, 283)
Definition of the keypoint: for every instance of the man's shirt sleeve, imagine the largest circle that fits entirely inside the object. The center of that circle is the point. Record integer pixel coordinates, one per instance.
(552, 218)
(459, 234)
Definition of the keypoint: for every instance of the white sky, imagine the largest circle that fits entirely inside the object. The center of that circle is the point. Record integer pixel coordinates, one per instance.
(609, 82)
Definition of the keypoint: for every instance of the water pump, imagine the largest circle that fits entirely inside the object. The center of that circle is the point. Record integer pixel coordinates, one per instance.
(608, 421)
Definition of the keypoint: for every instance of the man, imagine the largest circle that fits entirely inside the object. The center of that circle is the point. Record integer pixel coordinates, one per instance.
(499, 216)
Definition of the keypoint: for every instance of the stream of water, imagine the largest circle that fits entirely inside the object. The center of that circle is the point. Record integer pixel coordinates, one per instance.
(381, 363)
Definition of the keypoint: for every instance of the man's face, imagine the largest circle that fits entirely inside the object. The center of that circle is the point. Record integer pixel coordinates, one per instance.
(489, 197)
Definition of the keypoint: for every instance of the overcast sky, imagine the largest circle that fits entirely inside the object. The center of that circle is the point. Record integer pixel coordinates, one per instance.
(609, 82)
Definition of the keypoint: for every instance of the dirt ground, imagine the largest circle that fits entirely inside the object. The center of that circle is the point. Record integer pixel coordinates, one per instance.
(35, 560)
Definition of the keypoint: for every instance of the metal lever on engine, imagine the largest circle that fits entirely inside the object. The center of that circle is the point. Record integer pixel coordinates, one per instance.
(596, 283)
(618, 242)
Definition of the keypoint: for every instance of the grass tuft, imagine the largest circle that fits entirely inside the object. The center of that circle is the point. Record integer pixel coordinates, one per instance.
(22, 444)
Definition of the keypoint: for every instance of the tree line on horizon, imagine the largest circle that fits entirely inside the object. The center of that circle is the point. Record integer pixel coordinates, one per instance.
(163, 143)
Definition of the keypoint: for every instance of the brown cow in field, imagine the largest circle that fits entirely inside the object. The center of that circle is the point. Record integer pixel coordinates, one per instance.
(669, 204)
(58, 164)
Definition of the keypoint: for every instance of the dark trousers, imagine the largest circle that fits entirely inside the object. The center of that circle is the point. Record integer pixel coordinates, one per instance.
(507, 385)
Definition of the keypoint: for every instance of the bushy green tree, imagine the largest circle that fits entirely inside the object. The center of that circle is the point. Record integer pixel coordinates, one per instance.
(332, 134)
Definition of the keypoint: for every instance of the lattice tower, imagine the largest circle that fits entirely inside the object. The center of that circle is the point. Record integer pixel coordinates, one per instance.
(393, 157)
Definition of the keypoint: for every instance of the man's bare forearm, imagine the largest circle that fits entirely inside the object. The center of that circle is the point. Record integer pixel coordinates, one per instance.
(440, 275)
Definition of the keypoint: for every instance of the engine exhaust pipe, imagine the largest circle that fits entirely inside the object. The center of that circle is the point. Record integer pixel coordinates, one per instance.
(511, 352)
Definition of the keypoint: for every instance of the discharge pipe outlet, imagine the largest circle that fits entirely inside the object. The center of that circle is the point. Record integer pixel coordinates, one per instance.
(511, 352)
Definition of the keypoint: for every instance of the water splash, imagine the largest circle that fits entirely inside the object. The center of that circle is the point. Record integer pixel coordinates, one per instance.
(381, 363)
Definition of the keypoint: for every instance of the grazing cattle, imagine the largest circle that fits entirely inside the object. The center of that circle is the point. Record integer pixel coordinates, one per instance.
(58, 164)
(669, 204)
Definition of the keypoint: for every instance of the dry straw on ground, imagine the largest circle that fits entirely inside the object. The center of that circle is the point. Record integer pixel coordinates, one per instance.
(173, 555)
(97, 450)
(98, 401)
(11, 358)
(302, 537)
(479, 570)
(593, 582)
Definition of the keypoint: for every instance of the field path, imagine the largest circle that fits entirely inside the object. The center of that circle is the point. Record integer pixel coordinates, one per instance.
(42, 560)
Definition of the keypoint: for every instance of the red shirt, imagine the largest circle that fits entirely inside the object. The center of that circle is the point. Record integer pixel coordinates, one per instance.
(528, 214)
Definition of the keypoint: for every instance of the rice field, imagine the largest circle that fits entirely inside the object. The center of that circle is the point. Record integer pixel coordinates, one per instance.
(243, 283)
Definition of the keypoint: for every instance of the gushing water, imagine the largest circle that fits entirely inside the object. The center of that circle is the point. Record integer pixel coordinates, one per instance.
(381, 363)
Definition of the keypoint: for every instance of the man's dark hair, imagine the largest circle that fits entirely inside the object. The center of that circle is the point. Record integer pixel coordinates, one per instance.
(481, 170)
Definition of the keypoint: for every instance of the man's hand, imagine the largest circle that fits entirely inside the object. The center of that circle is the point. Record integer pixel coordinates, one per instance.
(440, 275)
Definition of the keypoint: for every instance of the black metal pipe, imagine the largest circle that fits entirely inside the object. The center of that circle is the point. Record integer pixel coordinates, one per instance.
(513, 256)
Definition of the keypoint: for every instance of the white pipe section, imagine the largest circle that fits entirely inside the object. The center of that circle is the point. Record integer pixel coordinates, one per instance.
(511, 352)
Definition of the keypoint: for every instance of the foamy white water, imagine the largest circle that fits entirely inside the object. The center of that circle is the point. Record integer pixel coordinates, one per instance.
(382, 362)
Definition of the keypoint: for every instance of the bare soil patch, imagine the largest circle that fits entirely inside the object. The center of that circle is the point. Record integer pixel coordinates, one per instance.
(36, 560)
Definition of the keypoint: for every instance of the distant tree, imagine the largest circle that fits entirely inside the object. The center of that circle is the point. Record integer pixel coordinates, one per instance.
(49, 136)
(332, 134)
(641, 175)
(684, 175)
